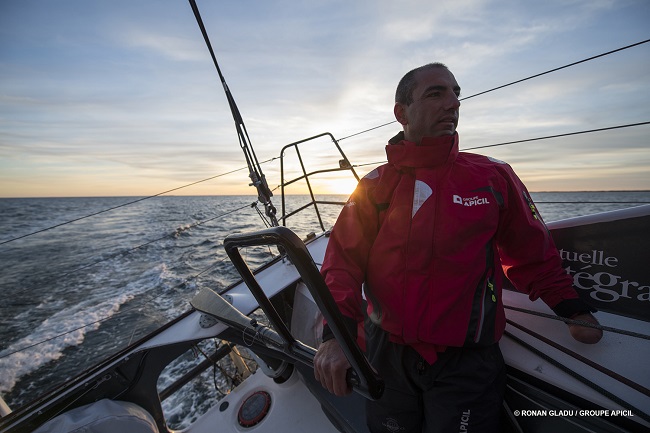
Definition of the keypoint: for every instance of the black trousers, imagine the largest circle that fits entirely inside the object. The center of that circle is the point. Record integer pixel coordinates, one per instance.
(461, 392)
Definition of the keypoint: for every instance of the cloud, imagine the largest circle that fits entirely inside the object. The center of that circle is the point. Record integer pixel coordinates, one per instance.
(171, 47)
(134, 87)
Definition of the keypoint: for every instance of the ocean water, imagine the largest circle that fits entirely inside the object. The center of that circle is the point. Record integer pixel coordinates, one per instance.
(77, 293)
(74, 294)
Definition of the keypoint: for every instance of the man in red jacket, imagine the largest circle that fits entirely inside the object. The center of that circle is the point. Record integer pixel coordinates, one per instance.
(429, 236)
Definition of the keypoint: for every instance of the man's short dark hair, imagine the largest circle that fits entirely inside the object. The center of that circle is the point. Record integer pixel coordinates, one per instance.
(404, 92)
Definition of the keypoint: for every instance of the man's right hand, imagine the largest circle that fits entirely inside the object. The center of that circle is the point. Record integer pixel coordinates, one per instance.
(330, 368)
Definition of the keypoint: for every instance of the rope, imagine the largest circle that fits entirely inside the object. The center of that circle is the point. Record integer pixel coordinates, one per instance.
(261, 215)
(642, 389)
(584, 380)
(579, 322)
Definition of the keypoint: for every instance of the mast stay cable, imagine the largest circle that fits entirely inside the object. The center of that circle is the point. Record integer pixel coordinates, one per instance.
(122, 205)
(257, 177)
(516, 82)
(257, 173)
(255, 170)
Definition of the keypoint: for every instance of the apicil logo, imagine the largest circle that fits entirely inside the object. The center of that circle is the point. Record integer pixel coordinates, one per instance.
(470, 201)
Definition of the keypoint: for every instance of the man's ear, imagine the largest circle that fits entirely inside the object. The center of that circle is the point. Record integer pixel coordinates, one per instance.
(400, 113)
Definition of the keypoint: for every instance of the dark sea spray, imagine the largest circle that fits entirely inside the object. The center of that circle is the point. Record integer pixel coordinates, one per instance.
(74, 295)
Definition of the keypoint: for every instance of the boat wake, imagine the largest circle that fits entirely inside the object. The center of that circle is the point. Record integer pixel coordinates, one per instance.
(70, 326)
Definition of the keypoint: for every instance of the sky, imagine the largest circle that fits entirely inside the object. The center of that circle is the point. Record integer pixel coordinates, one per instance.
(121, 98)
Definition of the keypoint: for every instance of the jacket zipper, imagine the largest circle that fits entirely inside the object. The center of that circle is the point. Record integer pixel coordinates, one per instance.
(488, 291)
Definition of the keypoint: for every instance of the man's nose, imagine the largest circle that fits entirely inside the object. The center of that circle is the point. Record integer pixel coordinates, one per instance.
(452, 103)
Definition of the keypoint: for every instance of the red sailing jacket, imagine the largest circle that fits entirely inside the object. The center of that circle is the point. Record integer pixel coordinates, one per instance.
(429, 235)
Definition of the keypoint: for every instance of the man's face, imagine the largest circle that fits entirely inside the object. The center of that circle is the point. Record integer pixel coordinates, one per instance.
(435, 106)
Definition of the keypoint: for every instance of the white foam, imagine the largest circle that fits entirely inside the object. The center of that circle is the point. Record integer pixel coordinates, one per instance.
(68, 328)
(49, 332)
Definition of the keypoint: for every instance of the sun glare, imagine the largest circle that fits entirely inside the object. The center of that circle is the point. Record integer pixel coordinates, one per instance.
(344, 185)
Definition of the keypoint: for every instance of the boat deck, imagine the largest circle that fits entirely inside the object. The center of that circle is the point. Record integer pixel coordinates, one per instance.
(292, 409)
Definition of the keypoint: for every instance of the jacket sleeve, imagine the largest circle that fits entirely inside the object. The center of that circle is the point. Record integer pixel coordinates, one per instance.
(346, 257)
(528, 254)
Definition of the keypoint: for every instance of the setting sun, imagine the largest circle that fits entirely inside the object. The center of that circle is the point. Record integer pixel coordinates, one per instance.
(343, 185)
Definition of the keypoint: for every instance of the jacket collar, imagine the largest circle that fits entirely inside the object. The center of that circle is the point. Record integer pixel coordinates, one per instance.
(432, 152)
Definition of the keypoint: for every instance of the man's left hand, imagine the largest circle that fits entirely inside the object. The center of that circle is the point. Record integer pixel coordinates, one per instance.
(585, 334)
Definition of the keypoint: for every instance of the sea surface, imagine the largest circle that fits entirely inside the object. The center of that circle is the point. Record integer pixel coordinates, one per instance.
(76, 293)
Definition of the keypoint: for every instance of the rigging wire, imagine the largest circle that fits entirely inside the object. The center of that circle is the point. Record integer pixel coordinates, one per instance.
(557, 69)
(518, 81)
(128, 203)
(255, 170)
(560, 135)
(249, 157)
(579, 322)
(574, 374)
(145, 299)
(168, 236)
(130, 308)
(348, 136)
(601, 368)
(547, 137)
